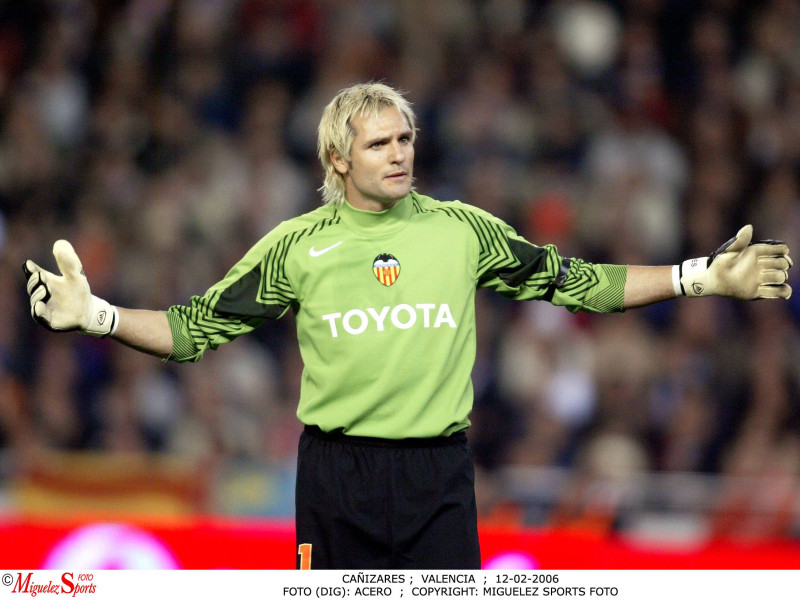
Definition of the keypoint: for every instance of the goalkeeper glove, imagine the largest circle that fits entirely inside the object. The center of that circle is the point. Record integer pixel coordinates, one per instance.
(64, 302)
(738, 269)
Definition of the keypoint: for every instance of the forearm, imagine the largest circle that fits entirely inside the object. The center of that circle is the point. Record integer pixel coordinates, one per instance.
(647, 285)
(144, 330)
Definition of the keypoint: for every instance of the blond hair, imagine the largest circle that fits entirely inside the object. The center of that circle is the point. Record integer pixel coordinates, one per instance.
(336, 134)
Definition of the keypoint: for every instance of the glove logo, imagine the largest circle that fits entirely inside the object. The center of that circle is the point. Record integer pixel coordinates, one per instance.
(697, 288)
(386, 269)
(101, 317)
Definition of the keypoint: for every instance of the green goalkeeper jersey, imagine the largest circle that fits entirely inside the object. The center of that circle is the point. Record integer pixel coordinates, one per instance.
(385, 307)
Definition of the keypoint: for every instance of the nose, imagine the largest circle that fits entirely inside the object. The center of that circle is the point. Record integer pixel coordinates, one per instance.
(398, 154)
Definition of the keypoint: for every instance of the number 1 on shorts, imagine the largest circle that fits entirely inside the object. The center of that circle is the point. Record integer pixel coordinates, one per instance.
(304, 550)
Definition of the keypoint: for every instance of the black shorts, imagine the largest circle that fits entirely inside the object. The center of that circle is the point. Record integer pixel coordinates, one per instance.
(367, 503)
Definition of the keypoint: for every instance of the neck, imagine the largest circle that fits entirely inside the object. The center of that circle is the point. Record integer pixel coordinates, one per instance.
(377, 223)
(372, 204)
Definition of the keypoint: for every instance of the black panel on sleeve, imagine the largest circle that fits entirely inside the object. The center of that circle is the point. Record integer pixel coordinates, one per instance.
(239, 299)
(533, 260)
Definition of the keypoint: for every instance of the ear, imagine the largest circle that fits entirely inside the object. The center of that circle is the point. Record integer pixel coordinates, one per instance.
(339, 163)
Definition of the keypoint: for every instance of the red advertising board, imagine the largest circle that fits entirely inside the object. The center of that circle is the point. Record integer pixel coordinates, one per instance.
(212, 543)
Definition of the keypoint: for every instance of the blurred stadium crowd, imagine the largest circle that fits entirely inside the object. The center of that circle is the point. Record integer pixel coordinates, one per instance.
(164, 138)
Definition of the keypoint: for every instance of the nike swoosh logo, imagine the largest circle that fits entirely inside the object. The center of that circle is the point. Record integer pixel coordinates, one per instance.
(313, 252)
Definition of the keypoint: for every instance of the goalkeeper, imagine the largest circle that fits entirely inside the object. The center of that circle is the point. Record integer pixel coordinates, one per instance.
(382, 283)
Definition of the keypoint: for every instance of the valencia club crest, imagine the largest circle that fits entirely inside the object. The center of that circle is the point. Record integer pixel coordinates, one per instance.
(386, 268)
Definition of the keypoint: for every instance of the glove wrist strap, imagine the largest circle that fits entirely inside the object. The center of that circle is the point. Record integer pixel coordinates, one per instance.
(104, 320)
(676, 280)
(690, 273)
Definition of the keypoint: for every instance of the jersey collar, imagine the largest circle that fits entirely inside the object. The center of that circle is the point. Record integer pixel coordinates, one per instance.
(373, 223)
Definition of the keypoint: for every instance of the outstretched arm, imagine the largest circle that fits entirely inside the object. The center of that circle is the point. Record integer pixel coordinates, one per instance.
(144, 330)
(647, 285)
(65, 303)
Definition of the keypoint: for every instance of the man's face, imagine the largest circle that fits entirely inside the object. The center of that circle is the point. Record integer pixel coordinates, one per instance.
(381, 166)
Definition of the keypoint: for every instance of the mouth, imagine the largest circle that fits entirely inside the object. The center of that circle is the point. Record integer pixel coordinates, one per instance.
(397, 176)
